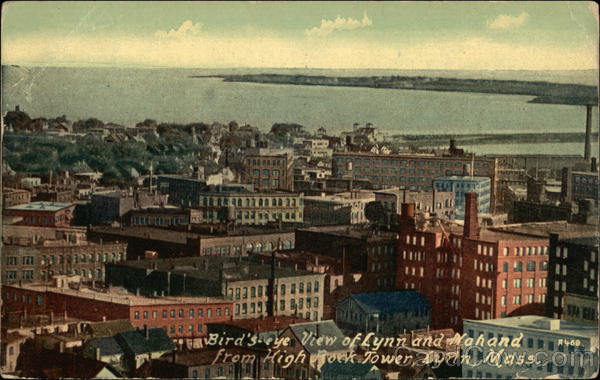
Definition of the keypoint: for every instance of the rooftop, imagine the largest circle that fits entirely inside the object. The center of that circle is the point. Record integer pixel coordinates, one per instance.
(343, 198)
(389, 302)
(355, 232)
(41, 206)
(320, 328)
(544, 229)
(541, 324)
(463, 178)
(209, 268)
(118, 296)
(588, 241)
(279, 322)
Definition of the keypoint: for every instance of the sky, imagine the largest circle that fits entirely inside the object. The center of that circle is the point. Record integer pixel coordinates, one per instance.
(345, 35)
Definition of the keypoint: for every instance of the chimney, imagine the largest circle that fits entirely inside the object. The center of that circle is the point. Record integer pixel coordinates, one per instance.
(97, 353)
(407, 218)
(587, 153)
(471, 226)
(146, 332)
(173, 356)
(317, 329)
(566, 188)
(594, 165)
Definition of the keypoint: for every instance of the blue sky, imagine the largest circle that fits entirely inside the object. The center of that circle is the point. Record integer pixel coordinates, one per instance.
(397, 35)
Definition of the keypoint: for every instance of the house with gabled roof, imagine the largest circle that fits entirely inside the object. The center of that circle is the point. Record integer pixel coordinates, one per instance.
(144, 345)
(384, 313)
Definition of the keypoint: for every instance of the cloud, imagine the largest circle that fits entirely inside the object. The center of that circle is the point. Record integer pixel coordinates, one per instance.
(507, 21)
(187, 28)
(340, 23)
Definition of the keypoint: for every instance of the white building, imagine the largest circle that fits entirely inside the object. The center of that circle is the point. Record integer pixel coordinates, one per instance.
(341, 208)
(550, 348)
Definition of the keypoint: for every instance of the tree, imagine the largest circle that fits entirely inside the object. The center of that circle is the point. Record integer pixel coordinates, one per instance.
(375, 212)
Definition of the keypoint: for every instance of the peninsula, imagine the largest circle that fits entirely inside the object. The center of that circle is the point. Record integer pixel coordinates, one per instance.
(543, 92)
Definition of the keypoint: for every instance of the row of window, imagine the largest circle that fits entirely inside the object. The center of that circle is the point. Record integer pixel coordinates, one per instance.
(276, 162)
(39, 300)
(258, 291)
(526, 251)
(43, 220)
(530, 298)
(83, 258)
(267, 172)
(414, 163)
(159, 221)
(252, 202)
(192, 313)
(210, 214)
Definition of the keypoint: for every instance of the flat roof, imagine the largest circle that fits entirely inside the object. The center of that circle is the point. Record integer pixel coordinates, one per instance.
(41, 206)
(209, 268)
(351, 231)
(342, 198)
(544, 229)
(534, 323)
(119, 296)
(463, 178)
(588, 241)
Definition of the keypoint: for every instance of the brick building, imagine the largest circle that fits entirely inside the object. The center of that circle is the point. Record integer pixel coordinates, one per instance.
(269, 170)
(460, 185)
(178, 243)
(162, 216)
(40, 262)
(44, 214)
(411, 171)
(573, 279)
(182, 317)
(473, 272)
(244, 282)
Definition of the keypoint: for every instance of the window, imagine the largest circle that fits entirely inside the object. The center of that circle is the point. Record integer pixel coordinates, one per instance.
(518, 266)
(517, 283)
(516, 300)
(137, 315)
(505, 267)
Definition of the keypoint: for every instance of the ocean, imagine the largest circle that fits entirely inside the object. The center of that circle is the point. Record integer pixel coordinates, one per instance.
(128, 96)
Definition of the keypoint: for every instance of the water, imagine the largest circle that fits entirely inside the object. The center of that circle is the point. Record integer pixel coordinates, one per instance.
(127, 96)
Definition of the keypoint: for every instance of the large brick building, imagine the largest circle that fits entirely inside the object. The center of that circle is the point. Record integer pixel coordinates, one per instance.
(244, 282)
(269, 170)
(13, 197)
(473, 272)
(46, 214)
(41, 262)
(210, 241)
(181, 317)
(411, 171)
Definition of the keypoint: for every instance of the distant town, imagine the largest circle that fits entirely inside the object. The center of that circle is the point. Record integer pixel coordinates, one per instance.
(218, 250)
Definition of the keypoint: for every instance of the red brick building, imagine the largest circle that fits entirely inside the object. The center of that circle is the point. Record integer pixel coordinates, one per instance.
(45, 214)
(471, 273)
(182, 317)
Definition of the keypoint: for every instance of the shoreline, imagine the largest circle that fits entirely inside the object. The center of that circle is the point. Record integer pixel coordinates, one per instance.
(541, 91)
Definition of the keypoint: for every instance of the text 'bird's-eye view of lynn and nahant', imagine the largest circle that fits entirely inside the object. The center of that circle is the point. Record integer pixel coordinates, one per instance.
(312, 190)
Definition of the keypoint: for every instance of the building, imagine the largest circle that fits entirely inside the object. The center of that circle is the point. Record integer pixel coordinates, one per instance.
(182, 191)
(557, 348)
(573, 279)
(208, 241)
(439, 202)
(315, 351)
(10, 351)
(578, 185)
(410, 171)
(31, 235)
(162, 217)
(13, 197)
(383, 313)
(526, 212)
(140, 346)
(111, 206)
(359, 250)
(220, 204)
(183, 318)
(242, 281)
(43, 214)
(39, 263)
(269, 170)
(340, 208)
(52, 364)
(349, 371)
(460, 185)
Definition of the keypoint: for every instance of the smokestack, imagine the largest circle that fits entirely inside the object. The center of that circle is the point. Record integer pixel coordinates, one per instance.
(594, 165)
(146, 332)
(566, 189)
(407, 218)
(471, 227)
(588, 133)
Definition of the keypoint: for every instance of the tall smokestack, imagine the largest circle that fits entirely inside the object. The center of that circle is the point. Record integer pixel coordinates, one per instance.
(407, 218)
(471, 228)
(587, 154)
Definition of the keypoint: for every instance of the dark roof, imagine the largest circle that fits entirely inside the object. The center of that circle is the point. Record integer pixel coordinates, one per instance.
(107, 346)
(109, 328)
(325, 329)
(389, 302)
(234, 269)
(279, 322)
(136, 342)
(53, 364)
